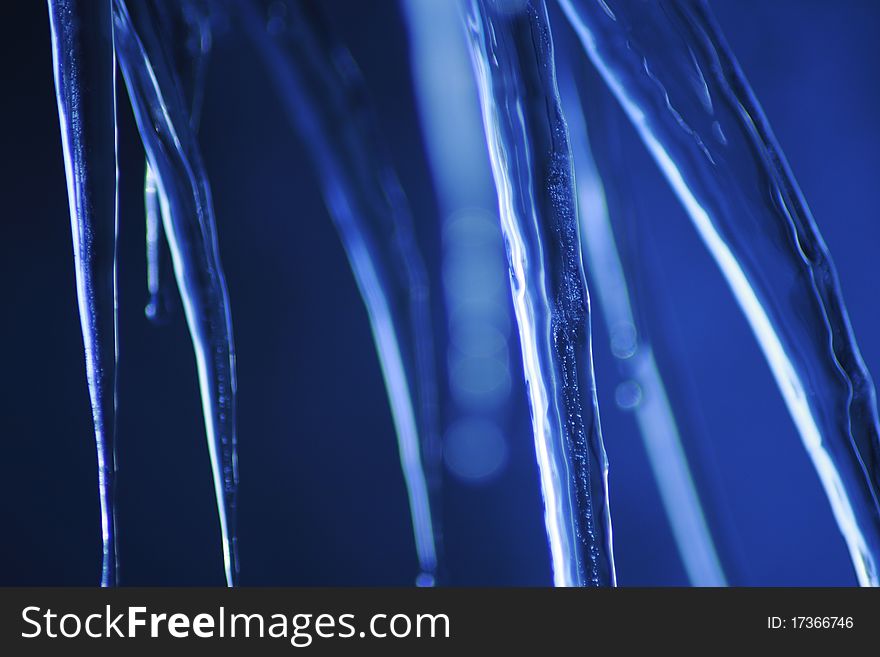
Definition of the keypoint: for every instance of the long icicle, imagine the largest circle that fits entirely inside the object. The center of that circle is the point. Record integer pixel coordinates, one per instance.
(85, 71)
(512, 51)
(164, 123)
(670, 68)
(325, 98)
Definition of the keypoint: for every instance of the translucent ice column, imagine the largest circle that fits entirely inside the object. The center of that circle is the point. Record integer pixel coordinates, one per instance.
(512, 52)
(163, 119)
(327, 102)
(85, 72)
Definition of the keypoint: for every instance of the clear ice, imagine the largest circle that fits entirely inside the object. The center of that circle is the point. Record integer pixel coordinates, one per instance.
(512, 51)
(85, 73)
(163, 119)
(327, 102)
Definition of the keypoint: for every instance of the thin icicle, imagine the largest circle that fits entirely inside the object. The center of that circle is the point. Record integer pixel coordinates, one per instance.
(155, 309)
(325, 98)
(163, 119)
(85, 70)
(512, 51)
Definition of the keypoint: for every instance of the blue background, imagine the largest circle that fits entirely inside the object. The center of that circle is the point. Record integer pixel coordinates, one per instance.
(322, 497)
